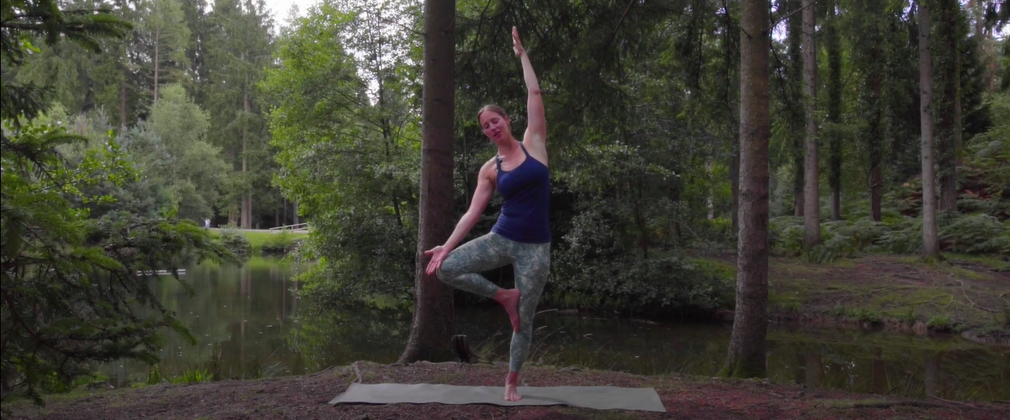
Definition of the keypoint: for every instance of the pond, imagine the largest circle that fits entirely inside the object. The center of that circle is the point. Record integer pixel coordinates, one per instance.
(248, 323)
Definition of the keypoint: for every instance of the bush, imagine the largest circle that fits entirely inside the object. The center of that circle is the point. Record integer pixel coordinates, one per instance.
(940, 323)
(975, 234)
(657, 286)
(235, 242)
(904, 237)
(278, 244)
(785, 234)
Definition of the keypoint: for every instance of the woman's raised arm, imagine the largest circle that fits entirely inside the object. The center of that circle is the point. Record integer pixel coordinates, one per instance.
(536, 131)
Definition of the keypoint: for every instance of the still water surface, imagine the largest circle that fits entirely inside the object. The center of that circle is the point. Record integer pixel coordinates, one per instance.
(248, 323)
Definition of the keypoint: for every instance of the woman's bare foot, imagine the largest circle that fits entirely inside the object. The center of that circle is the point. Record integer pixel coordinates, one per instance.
(511, 382)
(510, 300)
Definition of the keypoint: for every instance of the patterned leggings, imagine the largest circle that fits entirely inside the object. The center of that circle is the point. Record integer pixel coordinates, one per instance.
(531, 262)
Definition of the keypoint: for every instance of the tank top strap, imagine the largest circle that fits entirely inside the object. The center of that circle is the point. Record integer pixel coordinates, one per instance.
(524, 149)
(497, 162)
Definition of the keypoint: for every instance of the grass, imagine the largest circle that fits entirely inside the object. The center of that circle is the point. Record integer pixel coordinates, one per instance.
(900, 287)
(966, 273)
(939, 323)
(990, 261)
(258, 238)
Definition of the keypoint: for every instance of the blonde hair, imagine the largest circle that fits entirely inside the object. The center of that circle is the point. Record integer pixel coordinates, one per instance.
(493, 108)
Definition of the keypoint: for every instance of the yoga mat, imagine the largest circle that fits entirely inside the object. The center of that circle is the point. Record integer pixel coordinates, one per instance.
(597, 397)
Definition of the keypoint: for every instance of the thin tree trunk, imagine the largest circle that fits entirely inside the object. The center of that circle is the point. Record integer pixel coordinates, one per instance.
(734, 188)
(247, 199)
(122, 103)
(875, 137)
(746, 356)
(432, 326)
(948, 112)
(811, 189)
(930, 242)
(985, 43)
(876, 191)
(931, 382)
(731, 71)
(157, 60)
(794, 91)
(878, 375)
(834, 112)
(814, 369)
(294, 212)
(710, 195)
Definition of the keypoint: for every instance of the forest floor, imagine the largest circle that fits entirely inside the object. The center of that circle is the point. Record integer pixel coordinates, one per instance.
(965, 295)
(306, 397)
(962, 294)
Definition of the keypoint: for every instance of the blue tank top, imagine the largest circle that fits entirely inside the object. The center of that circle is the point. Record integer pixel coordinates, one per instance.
(527, 193)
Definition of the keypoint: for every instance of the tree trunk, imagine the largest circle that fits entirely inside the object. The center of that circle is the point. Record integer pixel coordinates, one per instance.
(876, 191)
(794, 91)
(878, 375)
(746, 356)
(931, 382)
(284, 211)
(948, 111)
(294, 213)
(930, 241)
(710, 194)
(247, 198)
(876, 133)
(433, 324)
(122, 104)
(834, 112)
(813, 369)
(734, 189)
(811, 189)
(157, 60)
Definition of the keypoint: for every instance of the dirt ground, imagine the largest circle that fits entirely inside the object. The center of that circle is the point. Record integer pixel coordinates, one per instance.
(306, 397)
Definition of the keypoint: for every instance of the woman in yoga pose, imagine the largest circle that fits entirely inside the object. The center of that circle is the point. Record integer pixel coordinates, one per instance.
(522, 234)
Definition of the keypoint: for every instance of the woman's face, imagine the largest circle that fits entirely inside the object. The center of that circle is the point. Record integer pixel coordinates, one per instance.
(495, 126)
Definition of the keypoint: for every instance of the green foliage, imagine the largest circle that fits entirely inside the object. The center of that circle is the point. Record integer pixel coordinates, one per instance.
(51, 23)
(278, 244)
(154, 375)
(192, 376)
(664, 284)
(939, 323)
(236, 50)
(71, 282)
(235, 242)
(965, 234)
(866, 316)
(1006, 316)
(173, 152)
(903, 237)
(351, 162)
(976, 234)
(988, 153)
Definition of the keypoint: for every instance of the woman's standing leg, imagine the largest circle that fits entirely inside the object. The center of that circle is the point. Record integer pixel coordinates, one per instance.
(532, 266)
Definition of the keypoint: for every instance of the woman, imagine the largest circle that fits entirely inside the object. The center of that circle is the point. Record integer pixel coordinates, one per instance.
(522, 235)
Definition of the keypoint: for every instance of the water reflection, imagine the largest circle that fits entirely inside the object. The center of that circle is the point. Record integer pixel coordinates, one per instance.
(248, 323)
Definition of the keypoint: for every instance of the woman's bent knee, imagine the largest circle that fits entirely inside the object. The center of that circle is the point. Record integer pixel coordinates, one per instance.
(447, 272)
